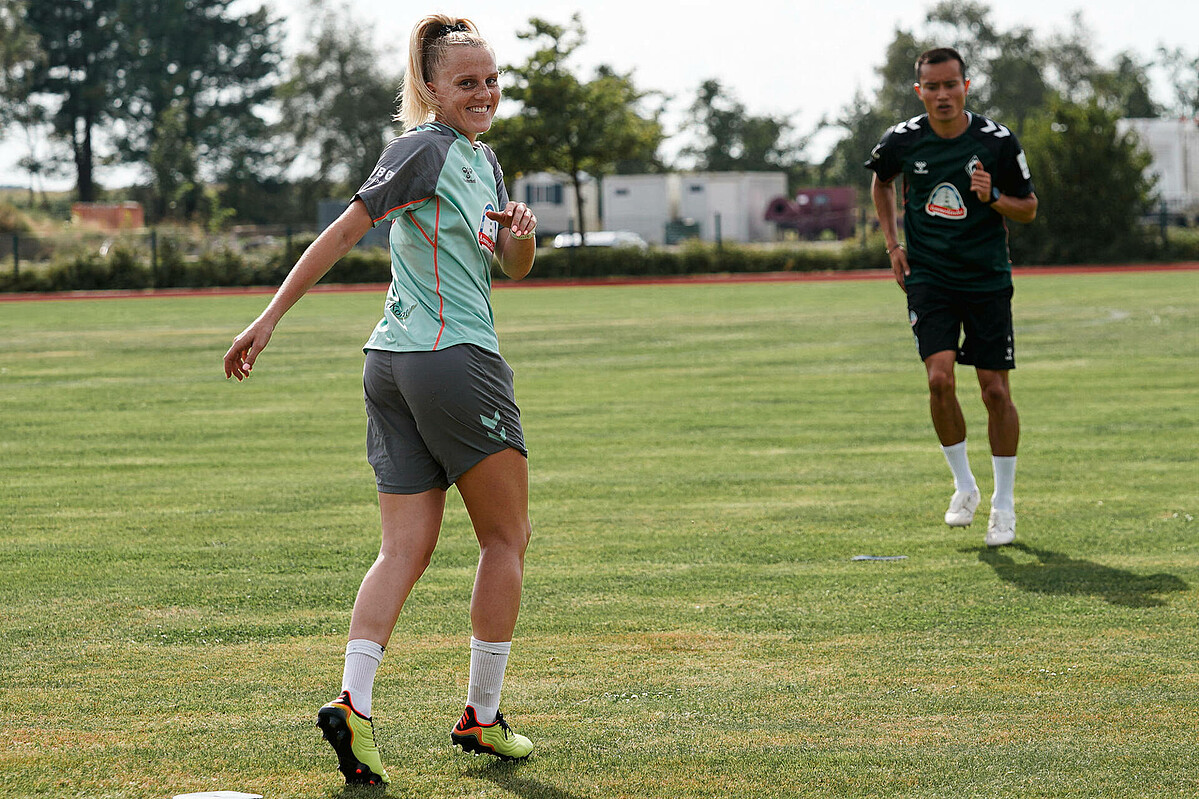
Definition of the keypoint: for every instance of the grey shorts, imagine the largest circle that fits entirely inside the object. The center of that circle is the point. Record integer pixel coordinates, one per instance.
(431, 416)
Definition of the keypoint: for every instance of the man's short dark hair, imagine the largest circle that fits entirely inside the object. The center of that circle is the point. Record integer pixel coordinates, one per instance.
(939, 55)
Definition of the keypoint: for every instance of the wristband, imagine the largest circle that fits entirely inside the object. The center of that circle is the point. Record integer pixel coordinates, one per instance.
(525, 237)
(893, 249)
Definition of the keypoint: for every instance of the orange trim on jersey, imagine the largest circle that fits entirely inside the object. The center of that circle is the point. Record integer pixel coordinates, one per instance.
(437, 275)
(423, 233)
(399, 207)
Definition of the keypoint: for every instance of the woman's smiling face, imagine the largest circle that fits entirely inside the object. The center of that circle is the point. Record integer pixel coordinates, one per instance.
(467, 86)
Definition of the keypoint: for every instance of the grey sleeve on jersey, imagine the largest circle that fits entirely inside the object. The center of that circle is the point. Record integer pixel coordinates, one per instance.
(405, 177)
(500, 191)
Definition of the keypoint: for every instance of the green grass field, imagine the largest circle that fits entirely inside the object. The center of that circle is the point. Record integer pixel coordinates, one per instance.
(180, 553)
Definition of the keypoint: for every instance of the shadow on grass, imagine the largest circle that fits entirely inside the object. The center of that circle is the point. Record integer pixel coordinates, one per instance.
(507, 776)
(1055, 573)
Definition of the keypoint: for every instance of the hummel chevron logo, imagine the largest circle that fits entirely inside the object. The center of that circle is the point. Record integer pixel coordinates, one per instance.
(999, 130)
(494, 428)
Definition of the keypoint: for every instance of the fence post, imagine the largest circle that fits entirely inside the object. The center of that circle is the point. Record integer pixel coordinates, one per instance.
(287, 262)
(570, 246)
(719, 239)
(1164, 222)
(16, 255)
(154, 257)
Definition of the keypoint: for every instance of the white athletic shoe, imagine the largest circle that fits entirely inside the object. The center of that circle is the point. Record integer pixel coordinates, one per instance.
(961, 508)
(1001, 528)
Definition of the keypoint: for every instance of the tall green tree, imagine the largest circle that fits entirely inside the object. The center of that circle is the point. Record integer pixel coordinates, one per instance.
(1183, 71)
(1091, 186)
(567, 125)
(896, 99)
(1126, 88)
(338, 100)
(20, 55)
(863, 125)
(730, 139)
(1006, 69)
(81, 46)
(194, 79)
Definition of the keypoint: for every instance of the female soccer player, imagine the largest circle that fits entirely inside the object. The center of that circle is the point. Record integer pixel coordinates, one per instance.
(439, 398)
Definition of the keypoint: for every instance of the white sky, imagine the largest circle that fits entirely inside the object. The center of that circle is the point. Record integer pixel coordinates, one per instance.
(802, 60)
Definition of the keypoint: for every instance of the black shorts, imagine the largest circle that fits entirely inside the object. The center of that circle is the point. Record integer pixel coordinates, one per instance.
(939, 316)
(431, 416)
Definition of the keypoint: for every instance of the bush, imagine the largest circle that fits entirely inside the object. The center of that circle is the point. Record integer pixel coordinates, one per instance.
(697, 258)
(12, 220)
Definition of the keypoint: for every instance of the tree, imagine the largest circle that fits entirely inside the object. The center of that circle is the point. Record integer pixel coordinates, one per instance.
(80, 44)
(731, 139)
(1091, 185)
(337, 101)
(566, 125)
(1183, 70)
(20, 54)
(193, 80)
(864, 125)
(896, 99)
(1125, 88)
(1006, 69)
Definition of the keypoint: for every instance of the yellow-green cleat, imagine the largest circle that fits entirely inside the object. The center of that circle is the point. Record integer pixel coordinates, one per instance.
(496, 738)
(352, 737)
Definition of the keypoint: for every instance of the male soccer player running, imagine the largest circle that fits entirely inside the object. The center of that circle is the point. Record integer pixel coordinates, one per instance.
(963, 176)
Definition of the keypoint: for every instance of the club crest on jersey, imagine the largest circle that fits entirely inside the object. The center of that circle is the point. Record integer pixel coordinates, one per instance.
(489, 230)
(974, 163)
(946, 202)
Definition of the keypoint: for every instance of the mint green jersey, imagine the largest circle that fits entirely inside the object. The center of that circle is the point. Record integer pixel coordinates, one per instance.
(434, 188)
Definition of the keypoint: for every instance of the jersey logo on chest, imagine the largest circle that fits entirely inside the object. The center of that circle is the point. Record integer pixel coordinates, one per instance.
(946, 202)
(489, 230)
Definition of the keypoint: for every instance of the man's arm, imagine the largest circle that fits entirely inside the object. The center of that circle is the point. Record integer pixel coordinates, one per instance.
(1018, 209)
(883, 195)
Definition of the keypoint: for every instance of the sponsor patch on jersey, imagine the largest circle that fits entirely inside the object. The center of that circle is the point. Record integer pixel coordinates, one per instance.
(380, 175)
(946, 202)
(468, 175)
(489, 230)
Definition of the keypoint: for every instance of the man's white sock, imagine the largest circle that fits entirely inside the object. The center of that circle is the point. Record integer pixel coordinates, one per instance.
(487, 663)
(362, 661)
(959, 464)
(1005, 482)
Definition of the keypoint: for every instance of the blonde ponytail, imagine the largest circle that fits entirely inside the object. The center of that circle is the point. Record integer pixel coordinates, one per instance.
(427, 46)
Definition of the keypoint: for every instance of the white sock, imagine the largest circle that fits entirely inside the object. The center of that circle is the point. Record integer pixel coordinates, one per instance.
(362, 660)
(1005, 482)
(487, 663)
(959, 464)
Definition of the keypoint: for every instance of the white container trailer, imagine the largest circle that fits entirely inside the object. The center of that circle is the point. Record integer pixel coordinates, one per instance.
(1174, 145)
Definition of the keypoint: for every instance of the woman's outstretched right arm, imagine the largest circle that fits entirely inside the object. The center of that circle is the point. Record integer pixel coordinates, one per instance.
(331, 245)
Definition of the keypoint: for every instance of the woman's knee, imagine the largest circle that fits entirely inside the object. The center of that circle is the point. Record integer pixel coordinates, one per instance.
(513, 537)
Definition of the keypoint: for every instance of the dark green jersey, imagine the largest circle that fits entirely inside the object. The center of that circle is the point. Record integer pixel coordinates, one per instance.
(953, 239)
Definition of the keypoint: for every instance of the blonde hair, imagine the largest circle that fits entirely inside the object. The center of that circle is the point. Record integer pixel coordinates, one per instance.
(428, 45)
